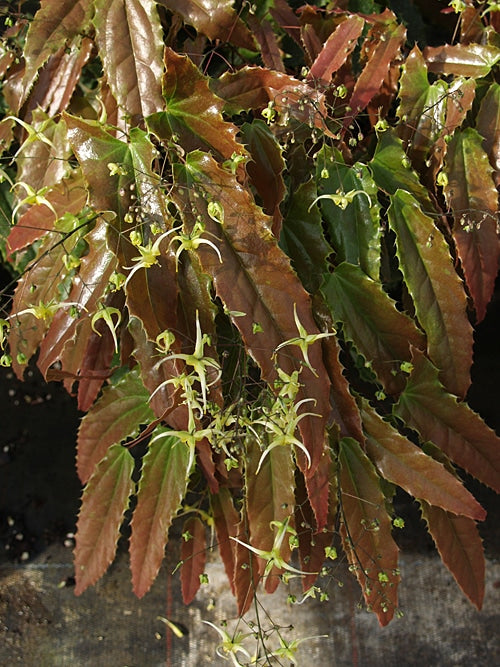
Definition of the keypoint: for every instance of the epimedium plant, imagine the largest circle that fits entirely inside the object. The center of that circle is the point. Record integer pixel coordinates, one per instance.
(254, 240)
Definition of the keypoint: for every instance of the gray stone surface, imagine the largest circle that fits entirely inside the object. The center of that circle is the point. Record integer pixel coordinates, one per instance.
(43, 624)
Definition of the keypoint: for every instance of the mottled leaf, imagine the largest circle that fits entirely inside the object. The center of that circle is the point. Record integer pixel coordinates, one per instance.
(436, 290)
(452, 425)
(193, 555)
(117, 415)
(401, 462)
(472, 197)
(302, 236)
(162, 487)
(269, 497)
(214, 18)
(265, 168)
(130, 42)
(460, 547)
(192, 114)
(475, 60)
(354, 231)
(380, 332)
(104, 502)
(336, 49)
(55, 25)
(366, 531)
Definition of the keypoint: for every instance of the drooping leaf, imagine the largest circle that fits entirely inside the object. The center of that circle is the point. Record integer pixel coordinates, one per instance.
(193, 555)
(369, 82)
(163, 484)
(436, 290)
(104, 502)
(353, 231)
(285, 17)
(253, 278)
(453, 426)
(269, 497)
(130, 42)
(475, 60)
(472, 196)
(401, 462)
(96, 360)
(488, 126)
(214, 18)
(380, 332)
(55, 25)
(336, 49)
(302, 237)
(366, 531)
(392, 170)
(117, 415)
(460, 547)
(265, 168)
(226, 520)
(267, 39)
(192, 114)
(246, 571)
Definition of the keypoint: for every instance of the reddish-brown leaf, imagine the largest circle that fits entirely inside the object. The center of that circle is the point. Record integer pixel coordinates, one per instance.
(266, 37)
(458, 431)
(475, 60)
(214, 18)
(226, 520)
(366, 531)
(194, 557)
(460, 547)
(472, 196)
(130, 42)
(401, 462)
(246, 571)
(104, 502)
(162, 487)
(269, 497)
(286, 19)
(371, 78)
(97, 358)
(68, 196)
(336, 49)
(488, 126)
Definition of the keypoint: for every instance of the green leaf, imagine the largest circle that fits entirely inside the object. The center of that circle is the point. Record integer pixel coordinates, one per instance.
(163, 485)
(392, 171)
(130, 41)
(370, 319)
(194, 556)
(192, 115)
(422, 108)
(354, 231)
(472, 196)
(302, 237)
(488, 126)
(436, 290)
(475, 60)
(265, 168)
(453, 426)
(117, 415)
(401, 462)
(269, 497)
(461, 549)
(214, 18)
(104, 502)
(366, 531)
(54, 26)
